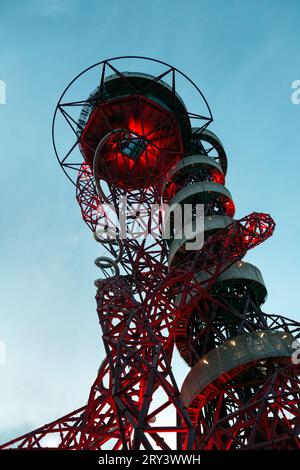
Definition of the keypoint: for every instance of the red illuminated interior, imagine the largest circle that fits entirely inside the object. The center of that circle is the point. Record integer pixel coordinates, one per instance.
(155, 126)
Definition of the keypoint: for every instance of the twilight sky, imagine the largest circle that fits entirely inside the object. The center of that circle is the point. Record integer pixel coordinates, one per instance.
(244, 55)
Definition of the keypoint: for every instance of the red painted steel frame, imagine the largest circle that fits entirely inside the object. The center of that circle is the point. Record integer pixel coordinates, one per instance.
(135, 395)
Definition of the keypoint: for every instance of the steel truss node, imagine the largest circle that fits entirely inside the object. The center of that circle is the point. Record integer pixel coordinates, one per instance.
(134, 136)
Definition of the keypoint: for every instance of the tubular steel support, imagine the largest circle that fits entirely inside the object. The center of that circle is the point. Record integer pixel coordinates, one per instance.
(135, 147)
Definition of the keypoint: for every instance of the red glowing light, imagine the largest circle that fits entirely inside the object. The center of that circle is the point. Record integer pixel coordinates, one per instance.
(156, 128)
(218, 177)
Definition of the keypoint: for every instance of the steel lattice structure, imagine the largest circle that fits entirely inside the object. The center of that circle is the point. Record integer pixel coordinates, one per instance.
(135, 138)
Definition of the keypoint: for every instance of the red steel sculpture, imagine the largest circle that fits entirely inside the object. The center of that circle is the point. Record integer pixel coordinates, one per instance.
(135, 138)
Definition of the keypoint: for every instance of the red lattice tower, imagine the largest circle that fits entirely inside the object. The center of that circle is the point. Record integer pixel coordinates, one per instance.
(135, 148)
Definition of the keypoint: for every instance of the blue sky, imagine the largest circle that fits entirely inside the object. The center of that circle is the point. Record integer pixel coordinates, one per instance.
(243, 55)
